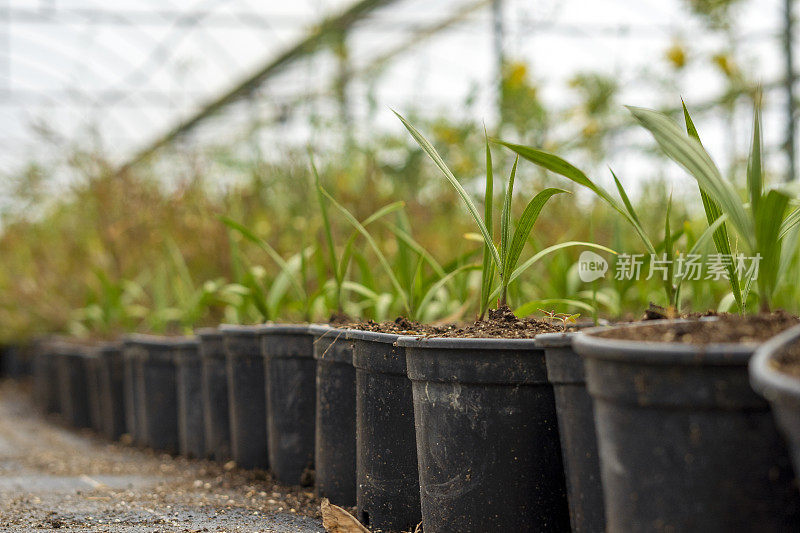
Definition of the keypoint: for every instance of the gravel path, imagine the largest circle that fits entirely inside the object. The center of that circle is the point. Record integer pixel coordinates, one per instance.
(57, 479)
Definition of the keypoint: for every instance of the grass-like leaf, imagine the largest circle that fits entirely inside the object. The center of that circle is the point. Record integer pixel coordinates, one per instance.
(558, 165)
(434, 155)
(689, 153)
(374, 245)
(264, 245)
(488, 268)
(524, 227)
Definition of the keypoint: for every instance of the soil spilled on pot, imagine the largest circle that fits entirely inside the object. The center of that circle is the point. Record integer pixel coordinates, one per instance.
(788, 361)
(735, 329)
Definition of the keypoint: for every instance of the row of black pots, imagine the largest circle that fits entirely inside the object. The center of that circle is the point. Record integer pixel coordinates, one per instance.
(781, 390)
(16, 361)
(472, 434)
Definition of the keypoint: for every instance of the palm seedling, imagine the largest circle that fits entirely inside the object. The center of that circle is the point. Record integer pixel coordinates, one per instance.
(662, 249)
(503, 260)
(762, 223)
(412, 288)
(292, 275)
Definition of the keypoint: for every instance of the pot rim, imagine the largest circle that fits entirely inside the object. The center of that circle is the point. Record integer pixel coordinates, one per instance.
(767, 380)
(375, 336)
(161, 341)
(557, 339)
(208, 332)
(241, 330)
(590, 346)
(318, 329)
(324, 331)
(414, 341)
(280, 328)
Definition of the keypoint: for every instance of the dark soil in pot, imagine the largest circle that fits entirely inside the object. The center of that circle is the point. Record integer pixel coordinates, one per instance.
(156, 393)
(775, 374)
(576, 429)
(387, 490)
(335, 442)
(247, 399)
(72, 362)
(214, 388)
(685, 443)
(486, 430)
(112, 390)
(290, 373)
(191, 431)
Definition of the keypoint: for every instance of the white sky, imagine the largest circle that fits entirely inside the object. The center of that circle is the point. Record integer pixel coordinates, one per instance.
(130, 81)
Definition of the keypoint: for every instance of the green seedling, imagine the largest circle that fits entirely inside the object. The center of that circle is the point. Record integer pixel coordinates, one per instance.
(625, 208)
(512, 239)
(564, 318)
(762, 222)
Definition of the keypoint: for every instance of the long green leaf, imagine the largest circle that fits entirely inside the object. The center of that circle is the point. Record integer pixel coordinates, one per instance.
(434, 155)
(690, 154)
(488, 267)
(755, 175)
(768, 220)
(374, 245)
(713, 213)
(543, 253)
(409, 241)
(434, 288)
(524, 227)
(264, 245)
(626, 201)
(789, 222)
(323, 208)
(555, 164)
(505, 220)
(698, 245)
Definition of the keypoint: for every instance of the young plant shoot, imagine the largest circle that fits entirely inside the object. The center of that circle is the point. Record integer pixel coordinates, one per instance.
(512, 238)
(625, 208)
(762, 222)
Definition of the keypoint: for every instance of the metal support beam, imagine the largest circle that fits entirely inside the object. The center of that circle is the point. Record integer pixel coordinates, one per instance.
(788, 48)
(246, 87)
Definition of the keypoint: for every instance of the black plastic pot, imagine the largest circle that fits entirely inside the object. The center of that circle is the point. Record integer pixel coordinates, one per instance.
(576, 430)
(72, 362)
(781, 390)
(16, 361)
(45, 377)
(156, 394)
(191, 430)
(247, 399)
(131, 353)
(93, 387)
(387, 490)
(214, 388)
(335, 441)
(111, 394)
(685, 443)
(290, 373)
(487, 436)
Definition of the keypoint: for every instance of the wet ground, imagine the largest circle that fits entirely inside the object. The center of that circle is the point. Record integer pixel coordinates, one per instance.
(57, 479)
